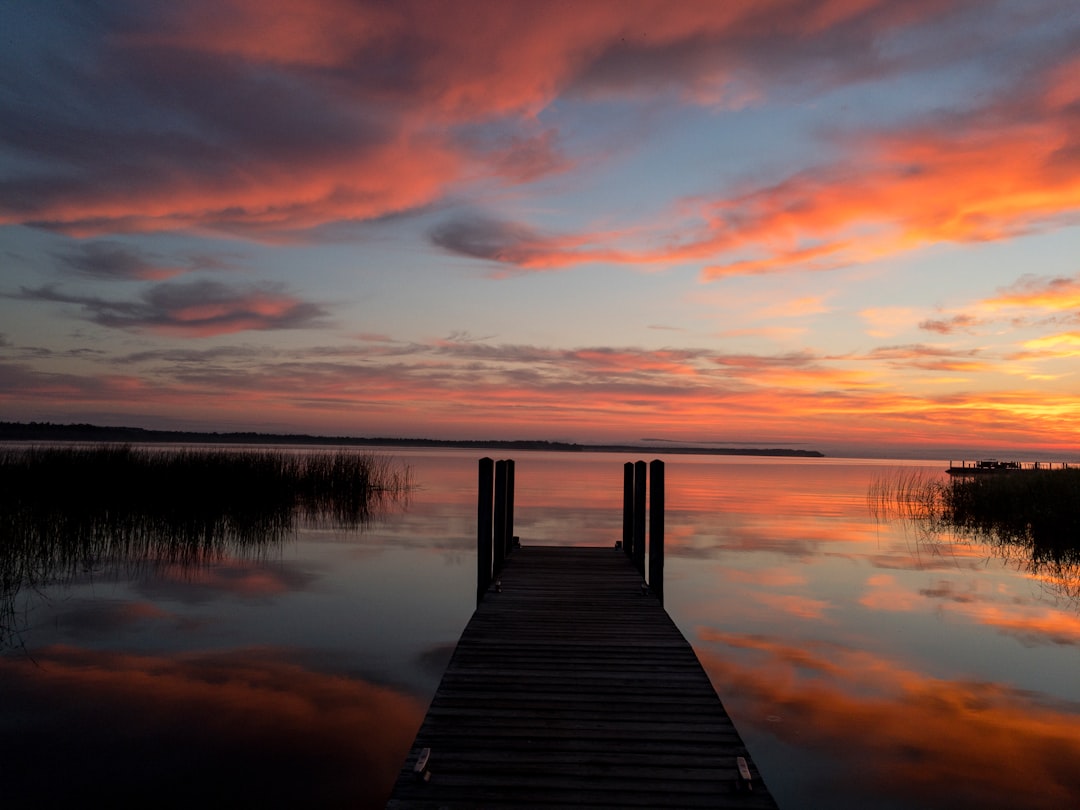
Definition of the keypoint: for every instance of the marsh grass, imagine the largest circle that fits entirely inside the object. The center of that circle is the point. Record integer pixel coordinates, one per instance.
(66, 511)
(1039, 509)
(1032, 516)
(908, 494)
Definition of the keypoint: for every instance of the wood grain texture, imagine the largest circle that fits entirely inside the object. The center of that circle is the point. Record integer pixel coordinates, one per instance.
(570, 687)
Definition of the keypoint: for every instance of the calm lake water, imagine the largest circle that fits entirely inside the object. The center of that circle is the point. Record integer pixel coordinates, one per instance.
(866, 663)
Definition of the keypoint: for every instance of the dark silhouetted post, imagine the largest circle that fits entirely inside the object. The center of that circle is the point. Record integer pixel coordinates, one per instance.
(628, 508)
(656, 528)
(640, 473)
(509, 506)
(483, 527)
(499, 553)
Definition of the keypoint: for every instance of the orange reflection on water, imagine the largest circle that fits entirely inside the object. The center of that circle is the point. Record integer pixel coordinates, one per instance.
(892, 731)
(998, 606)
(1031, 625)
(245, 578)
(885, 593)
(802, 607)
(162, 729)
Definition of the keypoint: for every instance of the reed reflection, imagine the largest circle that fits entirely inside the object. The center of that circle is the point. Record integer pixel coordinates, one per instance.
(1030, 518)
(70, 512)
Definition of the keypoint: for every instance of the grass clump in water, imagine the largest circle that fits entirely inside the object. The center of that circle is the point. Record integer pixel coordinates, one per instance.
(68, 510)
(1032, 516)
(1037, 508)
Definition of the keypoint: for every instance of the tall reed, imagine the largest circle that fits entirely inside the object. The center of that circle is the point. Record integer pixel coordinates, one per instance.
(66, 510)
(1033, 515)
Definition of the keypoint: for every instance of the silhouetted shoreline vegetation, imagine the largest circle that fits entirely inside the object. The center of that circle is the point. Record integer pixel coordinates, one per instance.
(47, 431)
(1035, 511)
(66, 510)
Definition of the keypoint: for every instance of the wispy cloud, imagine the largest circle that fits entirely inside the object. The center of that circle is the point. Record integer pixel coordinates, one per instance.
(522, 390)
(1059, 294)
(928, 358)
(108, 260)
(1065, 344)
(192, 309)
(950, 324)
(519, 246)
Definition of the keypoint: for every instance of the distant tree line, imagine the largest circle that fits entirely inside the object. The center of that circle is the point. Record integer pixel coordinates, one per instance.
(49, 431)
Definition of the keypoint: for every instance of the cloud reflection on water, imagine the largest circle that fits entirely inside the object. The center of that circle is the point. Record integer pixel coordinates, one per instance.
(248, 727)
(248, 579)
(896, 732)
(907, 666)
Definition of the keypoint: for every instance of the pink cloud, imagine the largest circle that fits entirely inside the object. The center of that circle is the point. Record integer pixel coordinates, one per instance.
(270, 119)
(896, 190)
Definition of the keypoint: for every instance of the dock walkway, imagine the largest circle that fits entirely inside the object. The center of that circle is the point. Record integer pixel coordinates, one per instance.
(570, 687)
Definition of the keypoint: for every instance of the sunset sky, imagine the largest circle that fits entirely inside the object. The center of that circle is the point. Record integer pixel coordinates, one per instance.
(848, 225)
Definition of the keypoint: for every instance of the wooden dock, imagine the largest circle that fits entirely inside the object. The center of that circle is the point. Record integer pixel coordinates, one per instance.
(572, 687)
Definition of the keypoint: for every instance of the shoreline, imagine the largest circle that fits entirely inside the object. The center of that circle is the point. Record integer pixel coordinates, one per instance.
(49, 432)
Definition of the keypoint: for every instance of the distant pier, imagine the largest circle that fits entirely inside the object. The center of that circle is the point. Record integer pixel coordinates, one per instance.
(572, 687)
(994, 466)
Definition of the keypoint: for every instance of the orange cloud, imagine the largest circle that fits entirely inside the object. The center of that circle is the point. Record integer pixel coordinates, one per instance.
(466, 387)
(894, 191)
(1062, 345)
(1063, 87)
(1037, 292)
(269, 200)
(268, 119)
(911, 189)
(948, 325)
(928, 358)
(504, 57)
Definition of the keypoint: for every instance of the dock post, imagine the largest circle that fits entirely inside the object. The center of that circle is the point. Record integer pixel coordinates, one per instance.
(484, 527)
(640, 473)
(656, 528)
(499, 548)
(628, 508)
(509, 506)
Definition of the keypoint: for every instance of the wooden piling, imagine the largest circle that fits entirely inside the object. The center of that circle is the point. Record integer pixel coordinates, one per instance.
(509, 534)
(499, 549)
(640, 491)
(628, 509)
(656, 528)
(484, 528)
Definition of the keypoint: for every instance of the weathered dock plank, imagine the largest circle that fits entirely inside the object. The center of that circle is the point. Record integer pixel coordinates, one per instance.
(571, 688)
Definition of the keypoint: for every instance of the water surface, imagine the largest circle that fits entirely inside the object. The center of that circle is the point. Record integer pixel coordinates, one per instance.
(866, 663)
